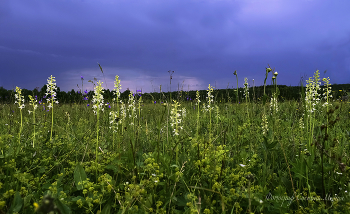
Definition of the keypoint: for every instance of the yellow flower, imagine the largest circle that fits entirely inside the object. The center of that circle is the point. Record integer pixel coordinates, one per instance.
(36, 206)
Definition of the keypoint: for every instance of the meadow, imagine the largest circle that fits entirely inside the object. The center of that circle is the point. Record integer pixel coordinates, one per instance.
(173, 156)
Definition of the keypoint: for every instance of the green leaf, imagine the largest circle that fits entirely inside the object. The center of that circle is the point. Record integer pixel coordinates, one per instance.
(60, 178)
(327, 167)
(112, 167)
(46, 186)
(75, 199)
(64, 209)
(149, 201)
(42, 169)
(79, 176)
(27, 200)
(17, 203)
(272, 145)
(106, 209)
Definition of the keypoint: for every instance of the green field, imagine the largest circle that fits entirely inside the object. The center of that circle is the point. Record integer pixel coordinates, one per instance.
(201, 156)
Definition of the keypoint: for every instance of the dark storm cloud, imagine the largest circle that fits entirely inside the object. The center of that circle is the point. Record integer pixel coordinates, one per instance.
(203, 41)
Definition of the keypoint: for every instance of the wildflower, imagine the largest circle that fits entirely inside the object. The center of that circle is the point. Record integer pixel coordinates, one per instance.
(209, 98)
(242, 165)
(312, 92)
(19, 98)
(327, 91)
(114, 120)
(273, 104)
(175, 118)
(117, 88)
(36, 206)
(97, 98)
(122, 110)
(20, 101)
(246, 88)
(132, 108)
(183, 112)
(51, 90)
(264, 124)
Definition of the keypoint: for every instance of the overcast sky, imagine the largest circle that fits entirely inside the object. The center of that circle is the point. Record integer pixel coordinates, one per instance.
(203, 41)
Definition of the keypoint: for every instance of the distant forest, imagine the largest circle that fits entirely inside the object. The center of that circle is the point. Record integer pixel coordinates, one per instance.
(220, 95)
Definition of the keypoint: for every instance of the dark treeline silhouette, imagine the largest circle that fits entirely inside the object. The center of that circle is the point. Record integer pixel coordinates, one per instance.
(223, 95)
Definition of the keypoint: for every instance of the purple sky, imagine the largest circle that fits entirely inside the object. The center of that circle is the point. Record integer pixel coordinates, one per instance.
(203, 41)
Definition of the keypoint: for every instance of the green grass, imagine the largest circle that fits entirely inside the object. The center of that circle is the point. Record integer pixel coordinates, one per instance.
(220, 161)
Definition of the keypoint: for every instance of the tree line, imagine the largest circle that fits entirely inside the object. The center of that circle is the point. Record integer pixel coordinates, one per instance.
(339, 91)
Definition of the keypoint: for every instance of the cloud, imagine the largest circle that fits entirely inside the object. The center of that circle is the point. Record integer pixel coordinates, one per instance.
(200, 39)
